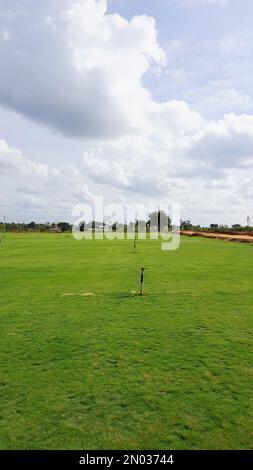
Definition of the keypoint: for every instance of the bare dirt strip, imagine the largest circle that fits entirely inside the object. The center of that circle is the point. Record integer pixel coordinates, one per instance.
(242, 238)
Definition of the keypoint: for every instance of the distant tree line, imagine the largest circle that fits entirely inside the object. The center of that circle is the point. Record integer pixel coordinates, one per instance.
(35, 227)
(235, 228)
(157, 221)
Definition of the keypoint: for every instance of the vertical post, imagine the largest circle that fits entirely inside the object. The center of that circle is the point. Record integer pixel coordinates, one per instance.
(4, 224)
(135, 240)
(142, 281)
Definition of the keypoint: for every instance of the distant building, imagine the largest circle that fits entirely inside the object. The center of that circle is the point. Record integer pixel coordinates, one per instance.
(102, 228)
(214, 226)
(99, 228)
(186, 225)
(54, 229)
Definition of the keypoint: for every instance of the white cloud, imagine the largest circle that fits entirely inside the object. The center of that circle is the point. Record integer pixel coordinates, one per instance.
(219, 100)
(246, 189)
(13, 161)
(37, 184)
(227, 143)
(187, 149)
(81, 71)
(3, 200)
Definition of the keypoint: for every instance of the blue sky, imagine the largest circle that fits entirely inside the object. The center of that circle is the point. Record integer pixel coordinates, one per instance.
(192, 33)
(135, 100)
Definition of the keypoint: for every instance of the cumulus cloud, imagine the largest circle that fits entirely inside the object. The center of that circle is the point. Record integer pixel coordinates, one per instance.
(207, 150)
(227, 143)
(13, 161)
(218, 99)
(79, 68)
(3, 200)
(246, 189)
(130, 167)
(81, 72)
(38, 184)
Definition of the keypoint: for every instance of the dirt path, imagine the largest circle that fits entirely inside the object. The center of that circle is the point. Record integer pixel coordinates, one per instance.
(221, 236)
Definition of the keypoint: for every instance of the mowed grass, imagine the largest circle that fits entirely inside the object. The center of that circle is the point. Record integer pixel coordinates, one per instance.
(116, 371)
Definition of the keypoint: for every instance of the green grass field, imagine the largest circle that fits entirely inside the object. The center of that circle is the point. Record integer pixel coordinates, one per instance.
(172, 369)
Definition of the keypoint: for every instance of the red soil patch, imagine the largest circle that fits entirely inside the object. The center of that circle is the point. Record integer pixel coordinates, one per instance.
(240, 238)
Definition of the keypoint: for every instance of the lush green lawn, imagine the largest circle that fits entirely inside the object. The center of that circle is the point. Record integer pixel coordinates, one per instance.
(170, 370)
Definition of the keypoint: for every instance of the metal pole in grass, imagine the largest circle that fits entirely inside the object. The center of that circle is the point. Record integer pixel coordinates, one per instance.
(142, 281)
(135, 243)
